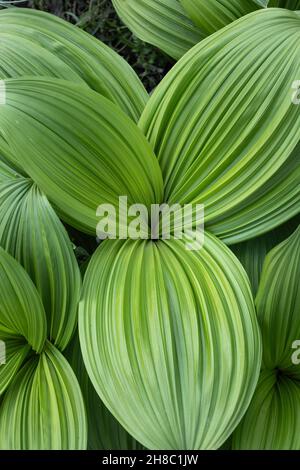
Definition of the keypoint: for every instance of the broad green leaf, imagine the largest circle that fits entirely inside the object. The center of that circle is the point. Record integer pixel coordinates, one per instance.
(32, 233)
(272, 421)
(252, 253)
(83, 151)
(275, 202)
(63, 50)
(278, 305)
(273, 418)
(43, 408)
(162, 23)
(222, 122)
(170, 340)
(104, 431)
(21, 56)
(21, 310)
(212, 15)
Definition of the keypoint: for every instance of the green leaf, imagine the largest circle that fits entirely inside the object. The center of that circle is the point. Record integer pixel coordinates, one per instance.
(261, 3)
(16, 351)
(104, 431)
(82, 151)
(21, 310)
(170, 340)
(252, 253)
(275, 202)
(22, 56)
(43, 409)
(34, 40)
(278, 304)
(162, 23)
(273, 418)
(212, 15)
(222, 122)
(32, 233)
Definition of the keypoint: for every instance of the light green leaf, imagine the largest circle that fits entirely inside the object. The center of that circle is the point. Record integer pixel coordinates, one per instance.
(43, 409)
(32, 233)
(222, 122)
(275, 202)
(162, 23)
(21, 310)
(22, 56)
(252, 253)
(212, 15)
(104, 431)
(82, 151)
(273, 418)
(35, 39)
(278, 305)
(170, 340)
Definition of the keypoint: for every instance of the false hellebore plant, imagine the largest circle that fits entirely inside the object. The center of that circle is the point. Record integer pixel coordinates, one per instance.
(177, 25)
(169, 338)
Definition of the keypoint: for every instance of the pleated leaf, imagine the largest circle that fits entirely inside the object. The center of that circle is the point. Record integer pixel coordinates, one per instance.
(212, 15)
(170, 340)
(162, 23)
(277, 201)
(104, 431)
(272, 421)
(36, 39)
(43, 409)
(21, 311)
(222, 122)
(252, 253)
(22, 56)
(83, 151)
(273, 418)
(15, 353)
(278, 304)
(32, 233)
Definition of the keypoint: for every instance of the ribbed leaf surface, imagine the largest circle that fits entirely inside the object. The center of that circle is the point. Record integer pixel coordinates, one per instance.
(83, 151)
(273, 418)
(44, 407)
(32, 233)
(170, 340)
(35, 39)
(104, 431)
(222, 122)
(162, 23)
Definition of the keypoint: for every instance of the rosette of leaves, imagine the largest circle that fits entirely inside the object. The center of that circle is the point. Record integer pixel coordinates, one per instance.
(169, 337)
(174, 26)
(273, 420)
